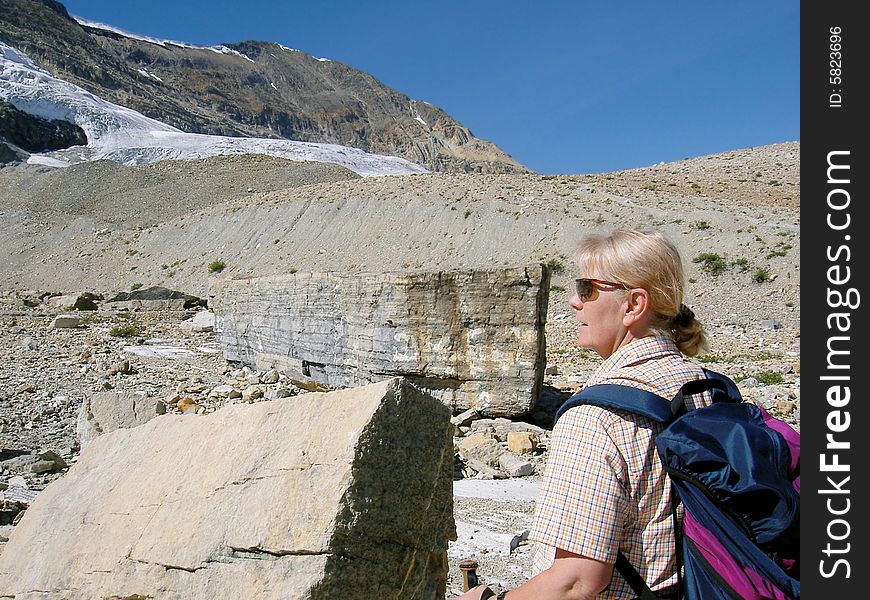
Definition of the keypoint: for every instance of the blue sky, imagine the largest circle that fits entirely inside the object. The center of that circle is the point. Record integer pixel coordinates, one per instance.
(563, 87)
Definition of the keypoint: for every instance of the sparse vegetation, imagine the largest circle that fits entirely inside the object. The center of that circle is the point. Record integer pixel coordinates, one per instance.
(555, 264)
(124, 330)
(135, 286)
(711, 262)
(769, 377)
(741, 263)
(216, 266)
(557, 288)
(761, 275)
(702, 225)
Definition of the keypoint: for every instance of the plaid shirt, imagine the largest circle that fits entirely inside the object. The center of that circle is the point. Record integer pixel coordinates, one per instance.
(604, 488)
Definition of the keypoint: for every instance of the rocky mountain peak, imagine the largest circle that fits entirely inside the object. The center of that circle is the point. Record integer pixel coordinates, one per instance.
(249, 88)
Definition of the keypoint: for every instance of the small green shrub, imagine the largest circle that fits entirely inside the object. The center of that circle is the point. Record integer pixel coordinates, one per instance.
(216, 266)
(711, 262)
(769, 377)
(135, 286)
(702, 225)
(761, 275)
(743, 263)
(696, 186)
(124, 330)
(557, 288)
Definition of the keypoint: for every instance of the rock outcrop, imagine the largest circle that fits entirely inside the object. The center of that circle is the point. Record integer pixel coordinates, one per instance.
(472, 338)
(20, 131)
(326, 495)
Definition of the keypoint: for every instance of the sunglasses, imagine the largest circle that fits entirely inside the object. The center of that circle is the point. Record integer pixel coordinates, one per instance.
(586, 287)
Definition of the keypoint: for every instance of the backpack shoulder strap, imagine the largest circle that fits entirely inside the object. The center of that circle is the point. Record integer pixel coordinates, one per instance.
(623, 397)
(731, 388)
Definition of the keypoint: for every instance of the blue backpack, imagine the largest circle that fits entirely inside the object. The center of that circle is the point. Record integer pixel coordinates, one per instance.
(736, 470)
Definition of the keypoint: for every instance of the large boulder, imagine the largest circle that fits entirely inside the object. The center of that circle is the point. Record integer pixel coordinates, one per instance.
(472, 338)
(154, 298)
(325, 495)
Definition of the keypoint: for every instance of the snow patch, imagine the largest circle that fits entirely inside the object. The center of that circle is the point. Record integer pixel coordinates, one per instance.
(220, 49)
(149, 74)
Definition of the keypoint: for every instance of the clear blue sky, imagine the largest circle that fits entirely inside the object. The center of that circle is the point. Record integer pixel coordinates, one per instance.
(563, 87)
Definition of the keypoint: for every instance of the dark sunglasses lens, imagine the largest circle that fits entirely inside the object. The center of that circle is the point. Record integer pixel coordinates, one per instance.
(584, 288)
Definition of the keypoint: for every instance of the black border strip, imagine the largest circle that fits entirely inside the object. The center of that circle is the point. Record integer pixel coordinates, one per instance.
(834, 53)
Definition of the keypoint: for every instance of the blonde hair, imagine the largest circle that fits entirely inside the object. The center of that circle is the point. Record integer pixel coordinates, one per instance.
(648, 260)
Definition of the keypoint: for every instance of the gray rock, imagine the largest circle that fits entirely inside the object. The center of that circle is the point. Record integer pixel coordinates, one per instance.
(107, 411)
(83, 301)
(465, 418)
(203, 321)
(473, 339)
(514, 465)
(65, 322)
(5, 532)
(43, 466)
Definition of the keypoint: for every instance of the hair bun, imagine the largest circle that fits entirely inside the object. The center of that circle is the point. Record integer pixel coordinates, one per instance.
(683, 318)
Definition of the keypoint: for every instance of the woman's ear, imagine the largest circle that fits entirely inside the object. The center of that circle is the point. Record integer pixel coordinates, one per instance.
(637, 308)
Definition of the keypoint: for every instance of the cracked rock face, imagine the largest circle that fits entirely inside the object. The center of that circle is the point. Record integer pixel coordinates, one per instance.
(305, 497)
(473, 338)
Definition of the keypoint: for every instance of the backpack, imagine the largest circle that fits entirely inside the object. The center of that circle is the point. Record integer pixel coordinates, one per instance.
(736, 470)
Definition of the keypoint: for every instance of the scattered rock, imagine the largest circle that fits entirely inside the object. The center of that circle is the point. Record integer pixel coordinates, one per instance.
(83, 301)
(202, 321)
(107, 411)
(522, 442)
(515, 465)
(65, 322)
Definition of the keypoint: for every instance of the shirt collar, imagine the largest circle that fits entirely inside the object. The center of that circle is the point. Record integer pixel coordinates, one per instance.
(635, 352)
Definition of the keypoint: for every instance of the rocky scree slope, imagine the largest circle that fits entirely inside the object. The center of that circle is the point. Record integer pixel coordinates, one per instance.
(252, 88)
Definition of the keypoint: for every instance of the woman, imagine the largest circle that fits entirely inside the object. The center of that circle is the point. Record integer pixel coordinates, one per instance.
(604, 489)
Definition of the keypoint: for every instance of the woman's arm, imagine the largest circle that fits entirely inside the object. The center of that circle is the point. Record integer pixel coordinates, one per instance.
(571, 577)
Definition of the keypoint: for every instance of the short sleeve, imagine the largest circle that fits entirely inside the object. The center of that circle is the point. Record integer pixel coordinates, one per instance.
(582, 504)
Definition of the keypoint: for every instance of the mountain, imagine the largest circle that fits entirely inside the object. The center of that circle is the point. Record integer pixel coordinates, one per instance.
(40, 104)
(253, 89)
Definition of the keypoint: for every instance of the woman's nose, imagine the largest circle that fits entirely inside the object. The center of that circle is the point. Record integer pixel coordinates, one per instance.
(575, 302)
